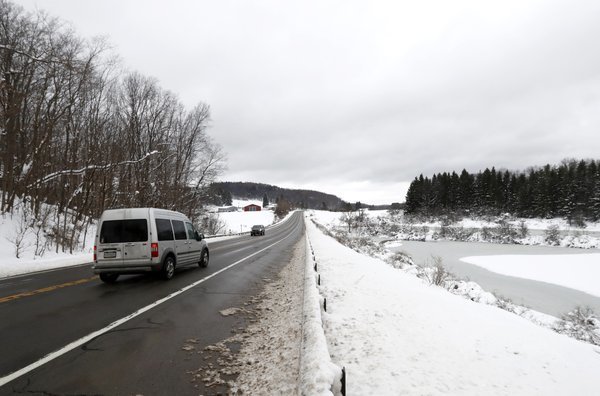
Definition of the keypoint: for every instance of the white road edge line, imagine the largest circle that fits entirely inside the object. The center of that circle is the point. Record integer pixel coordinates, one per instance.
(69, 347)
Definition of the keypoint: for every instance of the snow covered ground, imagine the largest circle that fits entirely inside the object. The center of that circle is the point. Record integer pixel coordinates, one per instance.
(11, 228)
(398, 335)
(576, 271)
(237, 222)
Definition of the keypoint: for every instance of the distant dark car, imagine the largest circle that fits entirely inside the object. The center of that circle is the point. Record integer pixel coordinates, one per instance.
(257, 230)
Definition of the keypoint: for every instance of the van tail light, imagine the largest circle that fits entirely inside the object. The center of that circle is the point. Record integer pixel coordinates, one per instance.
(95, 258)
(154, 249)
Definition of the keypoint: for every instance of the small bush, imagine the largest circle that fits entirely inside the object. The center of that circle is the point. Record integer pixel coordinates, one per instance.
(401, 260)
(523, 230)
(437, 274)
(552, 235)
(581, 324)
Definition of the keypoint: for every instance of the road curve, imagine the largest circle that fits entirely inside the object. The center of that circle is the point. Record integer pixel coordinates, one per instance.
(44, 312)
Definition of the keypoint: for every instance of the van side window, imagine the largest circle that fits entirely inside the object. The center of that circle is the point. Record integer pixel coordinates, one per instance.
(179, 229)
(164, 230)
(190, 230)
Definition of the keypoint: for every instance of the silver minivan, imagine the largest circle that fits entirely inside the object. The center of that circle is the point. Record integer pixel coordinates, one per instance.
(139, 240)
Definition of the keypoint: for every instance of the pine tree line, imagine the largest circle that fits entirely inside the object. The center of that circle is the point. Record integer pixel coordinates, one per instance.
(570, 190)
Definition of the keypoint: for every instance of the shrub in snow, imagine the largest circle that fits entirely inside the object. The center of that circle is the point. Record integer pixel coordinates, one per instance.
(582, 324)
(413, 233)
(213, 224)
(580, 241)
(505, 231)
(400, 260)
(471, 290)
(507, 305)
(437, 274)
(552, 235)
(359, 243)
(453, 233)
(18, 237)
(523, 230)
(577, 221)
(486, 233)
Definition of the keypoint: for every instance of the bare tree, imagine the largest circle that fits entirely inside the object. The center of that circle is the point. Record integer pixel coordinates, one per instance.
(349, 218)
(77, 133)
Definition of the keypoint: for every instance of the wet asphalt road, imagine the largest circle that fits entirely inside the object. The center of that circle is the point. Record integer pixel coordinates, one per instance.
(41, 313)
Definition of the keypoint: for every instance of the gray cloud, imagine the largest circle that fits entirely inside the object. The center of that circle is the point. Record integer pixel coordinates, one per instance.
(348, 96)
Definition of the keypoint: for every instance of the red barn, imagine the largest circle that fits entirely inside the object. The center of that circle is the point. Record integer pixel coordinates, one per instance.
(252, 208)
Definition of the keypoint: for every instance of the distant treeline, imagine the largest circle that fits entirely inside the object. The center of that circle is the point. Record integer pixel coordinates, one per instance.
(570, 190)
(222, 193)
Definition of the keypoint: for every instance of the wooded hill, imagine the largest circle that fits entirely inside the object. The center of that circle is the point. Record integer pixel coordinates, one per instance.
(223, 192)
(570, 190)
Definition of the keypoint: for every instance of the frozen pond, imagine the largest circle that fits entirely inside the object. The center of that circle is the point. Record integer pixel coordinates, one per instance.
(540, 296)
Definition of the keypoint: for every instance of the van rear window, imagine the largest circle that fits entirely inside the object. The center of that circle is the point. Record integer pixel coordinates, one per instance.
(117, 231)
(164, 230)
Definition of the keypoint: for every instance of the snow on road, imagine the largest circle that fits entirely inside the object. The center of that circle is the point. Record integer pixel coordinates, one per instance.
(281, 351)
(397, 335)
(576, 271)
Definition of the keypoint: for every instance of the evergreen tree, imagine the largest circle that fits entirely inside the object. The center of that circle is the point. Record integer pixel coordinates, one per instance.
(570, 190)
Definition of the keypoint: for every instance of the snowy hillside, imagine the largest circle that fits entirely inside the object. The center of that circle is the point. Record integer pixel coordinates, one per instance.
(28, 243)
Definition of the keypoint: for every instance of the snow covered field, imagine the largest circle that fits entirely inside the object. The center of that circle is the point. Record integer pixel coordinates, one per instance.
(397, 335)
(236, 222)
(576, 271)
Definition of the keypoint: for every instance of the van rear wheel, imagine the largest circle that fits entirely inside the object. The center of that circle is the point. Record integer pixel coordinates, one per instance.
(109, 278)
(204, 259)
(168, 269)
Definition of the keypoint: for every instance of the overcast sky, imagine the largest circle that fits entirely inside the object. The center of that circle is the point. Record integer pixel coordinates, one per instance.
(356, 98)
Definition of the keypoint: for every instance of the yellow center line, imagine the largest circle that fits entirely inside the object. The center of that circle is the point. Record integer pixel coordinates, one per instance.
(45, 289)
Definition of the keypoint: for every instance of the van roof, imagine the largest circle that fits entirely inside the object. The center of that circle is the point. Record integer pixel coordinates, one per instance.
(133, 213)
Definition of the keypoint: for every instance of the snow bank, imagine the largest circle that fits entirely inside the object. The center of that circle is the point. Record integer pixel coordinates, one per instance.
(36, 251)
(12, 266)
(318, 373)
(576, 271)
(396, 335)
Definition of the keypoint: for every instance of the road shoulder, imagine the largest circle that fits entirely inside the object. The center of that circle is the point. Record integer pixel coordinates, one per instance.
(263, 357)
